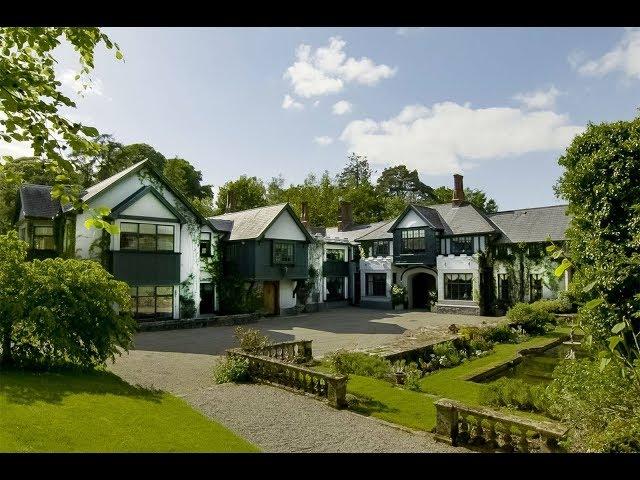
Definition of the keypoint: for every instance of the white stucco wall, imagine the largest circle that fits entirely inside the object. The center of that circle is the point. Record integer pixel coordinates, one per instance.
(287, 300)
(285, 228)
(375, 265)
(411, 219)
(149, 206)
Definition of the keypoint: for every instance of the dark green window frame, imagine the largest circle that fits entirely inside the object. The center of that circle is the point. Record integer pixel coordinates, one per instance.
(205, 244)
(461, 245)
(381, 248)
(458, 286)
(283, 253)
(43, 237)
(335, 288)
(413, 240)
(335, 254)
(131, 239)
(156, 295)
(376, 284)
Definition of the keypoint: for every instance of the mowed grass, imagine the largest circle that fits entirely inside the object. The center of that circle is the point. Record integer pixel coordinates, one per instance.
(415, 409)
(99, 412)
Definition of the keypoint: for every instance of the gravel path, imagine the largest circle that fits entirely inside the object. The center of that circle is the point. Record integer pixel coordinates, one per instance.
(272, 418)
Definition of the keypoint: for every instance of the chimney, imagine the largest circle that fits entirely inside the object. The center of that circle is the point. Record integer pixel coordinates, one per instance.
(458, 190)
(231, 202)
(304, 215)
(345, 216)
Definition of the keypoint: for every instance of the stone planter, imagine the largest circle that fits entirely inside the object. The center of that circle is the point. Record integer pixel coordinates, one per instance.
(400, 378)
(399, 307)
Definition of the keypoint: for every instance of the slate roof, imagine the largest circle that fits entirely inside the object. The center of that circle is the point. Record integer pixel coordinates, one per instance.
(532, 224)
(381, 232)
(252, 223)
(354, 232)
(462, 220)
(36, 202)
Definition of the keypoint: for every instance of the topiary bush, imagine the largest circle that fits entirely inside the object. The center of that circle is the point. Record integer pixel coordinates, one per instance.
(532, 320)
(360, 363)
(231, 369)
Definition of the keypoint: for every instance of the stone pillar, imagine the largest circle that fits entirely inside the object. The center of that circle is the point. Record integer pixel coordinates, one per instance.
(337, 392)
(446, 422)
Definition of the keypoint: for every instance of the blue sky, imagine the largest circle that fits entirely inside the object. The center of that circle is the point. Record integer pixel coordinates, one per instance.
(497, 104)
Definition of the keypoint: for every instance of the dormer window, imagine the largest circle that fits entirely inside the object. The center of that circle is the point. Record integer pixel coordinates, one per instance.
(413, 241)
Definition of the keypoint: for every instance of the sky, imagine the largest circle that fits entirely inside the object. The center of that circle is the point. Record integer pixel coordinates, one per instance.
(498, 105)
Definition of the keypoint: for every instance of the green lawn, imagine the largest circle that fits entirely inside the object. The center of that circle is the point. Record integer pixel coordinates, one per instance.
(99, 412)
(415, 409)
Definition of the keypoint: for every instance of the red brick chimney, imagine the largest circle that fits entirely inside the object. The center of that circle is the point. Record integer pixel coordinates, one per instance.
(304, 215)
(345, 216)
(458, 190)
(231, 202)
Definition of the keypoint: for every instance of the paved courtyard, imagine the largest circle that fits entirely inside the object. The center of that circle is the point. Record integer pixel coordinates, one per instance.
(182, 362)
(348, 327)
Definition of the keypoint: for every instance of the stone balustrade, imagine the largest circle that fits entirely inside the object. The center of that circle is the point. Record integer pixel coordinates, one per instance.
(460, 424)
(333, 388)
(288, 351)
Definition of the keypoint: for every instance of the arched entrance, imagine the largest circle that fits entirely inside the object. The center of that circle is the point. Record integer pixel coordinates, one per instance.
(419, 285)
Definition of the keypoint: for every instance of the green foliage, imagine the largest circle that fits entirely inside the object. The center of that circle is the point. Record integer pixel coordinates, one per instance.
(231, 369)
(601, 405)
(359, 363)
(31, 99)
(251, 339)
(515, 393)
(559, 305)
(487, 336)
(398, 294)
(412, 374)
(405, 184)
(75, 313)
(532, 320)
(356, 172)
(247, 192)
(474, 196)
(447, 355)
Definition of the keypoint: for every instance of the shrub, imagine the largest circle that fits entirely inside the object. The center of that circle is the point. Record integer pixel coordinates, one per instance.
(601, 406)
(531, 320)
(412, 377)
(515, 393)
(232, 369)
(74, 314)
(559, 305)
(502, 333)
(446, 354)
(398, 294)
(250, 339)
(359, 363)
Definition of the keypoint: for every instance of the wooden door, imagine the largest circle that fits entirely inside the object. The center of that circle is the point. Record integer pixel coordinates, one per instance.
(270, 293)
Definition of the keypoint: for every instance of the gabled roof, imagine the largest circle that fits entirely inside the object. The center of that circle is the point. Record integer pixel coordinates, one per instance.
(105, 184)
(133, 198)
(253, 223)
(450, 219)
(35, 202)
(532, 224)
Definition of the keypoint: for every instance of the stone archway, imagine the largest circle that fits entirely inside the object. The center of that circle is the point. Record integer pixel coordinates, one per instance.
(419, 283)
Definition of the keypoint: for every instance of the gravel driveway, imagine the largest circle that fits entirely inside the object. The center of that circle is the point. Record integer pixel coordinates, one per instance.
(274, 419)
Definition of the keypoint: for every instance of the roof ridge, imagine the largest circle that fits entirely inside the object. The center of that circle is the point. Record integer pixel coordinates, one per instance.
(530, 208)
(247, 210)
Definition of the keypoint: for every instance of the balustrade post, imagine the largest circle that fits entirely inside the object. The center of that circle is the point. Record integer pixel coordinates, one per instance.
(337, 392)
(523, 444)
(492, 437)
(446, 422)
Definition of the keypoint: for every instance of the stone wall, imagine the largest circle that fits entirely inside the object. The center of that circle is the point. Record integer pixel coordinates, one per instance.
(457, 309)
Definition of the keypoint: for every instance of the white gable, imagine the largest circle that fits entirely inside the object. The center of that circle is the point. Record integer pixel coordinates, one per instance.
(149, 206)
(285, 228)
(411, 219)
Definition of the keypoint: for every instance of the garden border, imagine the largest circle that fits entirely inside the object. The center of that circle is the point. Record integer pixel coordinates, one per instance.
(213, 321)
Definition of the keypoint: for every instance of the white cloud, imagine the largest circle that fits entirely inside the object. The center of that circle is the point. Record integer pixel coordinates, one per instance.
(327, 69)
(624, 57)
(15, 149)
(324, 140)
(93, 85)
(449, 137)
(539, 99)
(290, 103)
(404, 31)
(316, 103)
(341, 107)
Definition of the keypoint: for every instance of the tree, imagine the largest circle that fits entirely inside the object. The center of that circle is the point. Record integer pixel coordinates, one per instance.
(187, 179)
(474, 196)
(401, 182)
(88, 163)
(247, 192)
(119, 157)
(31, 99)
(356, 173)
(13, 253)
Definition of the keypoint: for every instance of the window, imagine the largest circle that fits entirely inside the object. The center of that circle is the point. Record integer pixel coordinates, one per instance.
(535, 287)
(205, 244)
(503, 287)
(146, 237)
(152, 301)
(380, 248)
(462, 245)
(283, 253)
(376, 284)
(458, 286)
(43, 238)
(335, 254)
(335, 288)
(413, 241)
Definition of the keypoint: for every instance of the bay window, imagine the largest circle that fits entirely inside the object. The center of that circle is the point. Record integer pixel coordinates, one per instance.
(146, 237)
(458, 286)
